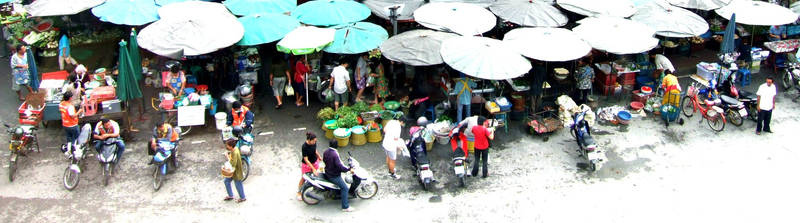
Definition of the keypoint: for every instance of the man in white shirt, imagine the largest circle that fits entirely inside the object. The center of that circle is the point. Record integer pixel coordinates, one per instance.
(106, 129)
(662, 64)
(340, 82)
(766, 103)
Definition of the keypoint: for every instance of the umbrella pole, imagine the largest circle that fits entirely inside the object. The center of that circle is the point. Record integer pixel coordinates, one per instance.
(305, 81)
(393, 17)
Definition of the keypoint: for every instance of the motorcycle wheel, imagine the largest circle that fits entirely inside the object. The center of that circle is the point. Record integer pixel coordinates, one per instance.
(425, 186)
(106, 173)
(786, 81)
(734, 117)
(71, 179)
(462, 181)
(752, 112)
(306, 198)
(245, 169)
(716, 123)
(687, 107)
(158, 179)
(12, 168)
(367, 191)
(592, 166)
(321, 89)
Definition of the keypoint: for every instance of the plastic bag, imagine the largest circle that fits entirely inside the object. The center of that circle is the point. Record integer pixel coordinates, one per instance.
(289, 90)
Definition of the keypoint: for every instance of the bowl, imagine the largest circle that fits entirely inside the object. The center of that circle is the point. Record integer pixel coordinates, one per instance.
(647, 90)
(624, 117)
(636, 105)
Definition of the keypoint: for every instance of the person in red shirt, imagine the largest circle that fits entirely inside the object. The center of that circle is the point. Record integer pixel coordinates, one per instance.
(301, 69)
(482, 134)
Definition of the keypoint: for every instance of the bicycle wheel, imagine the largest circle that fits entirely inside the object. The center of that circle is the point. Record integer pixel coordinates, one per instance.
(716, 123)
(687, 107)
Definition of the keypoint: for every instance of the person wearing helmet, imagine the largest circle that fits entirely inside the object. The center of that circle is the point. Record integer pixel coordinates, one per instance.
(333, 173)
(177, 79)
(240, 116)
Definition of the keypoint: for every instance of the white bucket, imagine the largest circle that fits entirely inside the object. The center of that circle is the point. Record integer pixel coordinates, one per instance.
(221, 118)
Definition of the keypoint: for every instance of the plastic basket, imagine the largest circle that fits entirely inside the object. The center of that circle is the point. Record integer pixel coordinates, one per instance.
(669, 114)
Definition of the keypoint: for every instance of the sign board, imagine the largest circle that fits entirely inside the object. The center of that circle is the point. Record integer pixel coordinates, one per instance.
(191, 115)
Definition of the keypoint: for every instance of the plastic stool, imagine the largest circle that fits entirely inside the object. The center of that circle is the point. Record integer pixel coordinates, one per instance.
(744, 77)
(432, 111)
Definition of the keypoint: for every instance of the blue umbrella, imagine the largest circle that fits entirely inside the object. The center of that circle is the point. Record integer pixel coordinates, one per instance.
(727, 45)
(265, 28)
(4, 1)
(165, 2)
(32, 70)
(127, 12)
(357, 38)
(330, 12)
(250, 7)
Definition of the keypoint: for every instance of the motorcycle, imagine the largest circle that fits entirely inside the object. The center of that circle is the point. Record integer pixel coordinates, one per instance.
(165, 154)
(23, 140)
(108, 158)
(76, 152)
(245, 145)
(581, 131)
(791, 77)
(422, 165)
(460, 166)
(317, 188)
(749, 100)
(734, 110)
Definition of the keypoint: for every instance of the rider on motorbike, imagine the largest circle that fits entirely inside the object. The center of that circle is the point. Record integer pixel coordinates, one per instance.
(240, 116)
(163, 132)
(106, 129)
(333, 173)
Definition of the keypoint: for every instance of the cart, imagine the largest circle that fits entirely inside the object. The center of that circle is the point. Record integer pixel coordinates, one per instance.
(670, 111)
(544, 123)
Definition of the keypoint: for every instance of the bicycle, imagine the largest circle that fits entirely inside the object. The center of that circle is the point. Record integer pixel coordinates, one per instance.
(711, 113)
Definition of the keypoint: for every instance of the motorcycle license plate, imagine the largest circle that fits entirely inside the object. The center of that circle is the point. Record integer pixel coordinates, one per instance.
(596, 155)
(426, 174)
(743, 112)
(460, 170)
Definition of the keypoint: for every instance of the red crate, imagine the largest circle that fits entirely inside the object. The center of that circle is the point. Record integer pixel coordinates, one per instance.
(606, 79)
(29, 116)
(628, 78)
(608, 90)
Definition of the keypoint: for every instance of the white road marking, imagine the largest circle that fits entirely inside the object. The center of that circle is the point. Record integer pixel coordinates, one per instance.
(266, 133)
(198, 142)
(299, 129)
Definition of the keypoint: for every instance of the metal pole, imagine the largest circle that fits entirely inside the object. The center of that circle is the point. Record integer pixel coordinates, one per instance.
(393, 16)
(305, 81)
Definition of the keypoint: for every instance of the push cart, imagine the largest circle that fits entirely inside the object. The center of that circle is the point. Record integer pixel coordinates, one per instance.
(544, 123)
(671, 110)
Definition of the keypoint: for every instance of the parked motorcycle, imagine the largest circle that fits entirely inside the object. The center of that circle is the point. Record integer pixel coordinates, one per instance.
(245, 145)
(422, 165)
(165, 154)
(580, 129)
(108, 158)
(735, 110)
(460, 166)
(791, 77)
(317, 188)
(23, 140)
(76, 152)
(749, 99)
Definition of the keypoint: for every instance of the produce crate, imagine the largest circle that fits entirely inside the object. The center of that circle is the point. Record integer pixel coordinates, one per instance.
(606, 79)
(30, 116)
(628, 78)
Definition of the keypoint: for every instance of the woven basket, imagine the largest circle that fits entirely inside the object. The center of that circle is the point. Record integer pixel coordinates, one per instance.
(226, 173)
(374, 136)
(358, 139)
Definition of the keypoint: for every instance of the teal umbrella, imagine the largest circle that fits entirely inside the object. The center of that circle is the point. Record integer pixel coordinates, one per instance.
(136, 60)
(165, 2)
(330, 12)
(727, 45)
(127, 87)
(33, 72)
(251, 7)
(357, 38)
(266, 28)
(127, 12)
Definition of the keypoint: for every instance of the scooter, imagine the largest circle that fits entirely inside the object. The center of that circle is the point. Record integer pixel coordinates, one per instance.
(420, 161)
(735, 110)
(749, 100)
(245, 145)
(791, 77)
(165, 154)
(580, 129)
(460, 166)
(76, 152)
(108, 158)
(317, 188)
(23, 140)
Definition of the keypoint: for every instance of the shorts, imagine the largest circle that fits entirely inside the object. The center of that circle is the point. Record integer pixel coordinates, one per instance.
(17, 87)
(299, 89)
(341, 98)
(307, 169)
(391, 153)
(361, 83)
(278, 86)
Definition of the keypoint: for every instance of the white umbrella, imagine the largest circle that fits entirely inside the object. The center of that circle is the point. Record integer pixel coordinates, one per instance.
(484, 58)
(416, 47)
(481, 3)
(60, 7)
(547, 44)
(616, 35)
(199, 30)
(306, 39)
(670, 21)
(462, 18)
(405, 10)
(595, 8)
(757, 13)
(529, 13)
(700, 4)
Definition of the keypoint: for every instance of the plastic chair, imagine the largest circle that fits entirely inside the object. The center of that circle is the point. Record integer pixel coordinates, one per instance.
(743, 77)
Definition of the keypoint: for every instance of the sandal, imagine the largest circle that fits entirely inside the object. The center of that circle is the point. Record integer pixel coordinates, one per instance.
(241, 200)
(228, 199)
(278, 106)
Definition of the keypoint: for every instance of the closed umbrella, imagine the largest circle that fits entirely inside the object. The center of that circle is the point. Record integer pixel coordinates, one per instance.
(757, 13)
(481, 3)
(595, 8)
(127, 86)
(405, 12)
(127, 12)
(33, 71)
(330, 12)
(728, 44)
(462, 18)
(357, 38)
(266, 28)
(136, 59)
(529, 13)
(306, 40)
(547, 44)
(700, 4)
(670, 21)
(416, 47)
(483, 58)
(250, 7)
(60, 7)
(616, 35)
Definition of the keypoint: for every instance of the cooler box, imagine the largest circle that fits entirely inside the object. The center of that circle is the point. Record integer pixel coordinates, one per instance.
(707, 70)
(503, 103)
(51, 112)
(112, 106)
(104, 93)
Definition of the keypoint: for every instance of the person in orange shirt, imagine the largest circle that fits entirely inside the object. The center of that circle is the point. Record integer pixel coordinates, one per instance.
(69, 117)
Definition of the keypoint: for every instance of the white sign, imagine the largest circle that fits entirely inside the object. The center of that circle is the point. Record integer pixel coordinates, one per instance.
(191, 115)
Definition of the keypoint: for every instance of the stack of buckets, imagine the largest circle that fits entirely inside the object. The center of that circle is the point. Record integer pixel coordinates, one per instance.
(358, 134)
(342, 136)
(329, 126)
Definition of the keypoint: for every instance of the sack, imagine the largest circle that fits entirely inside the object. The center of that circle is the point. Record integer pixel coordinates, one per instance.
(289, 90)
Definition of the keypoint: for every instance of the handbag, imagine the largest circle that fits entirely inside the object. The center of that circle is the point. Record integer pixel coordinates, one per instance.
(289, 90)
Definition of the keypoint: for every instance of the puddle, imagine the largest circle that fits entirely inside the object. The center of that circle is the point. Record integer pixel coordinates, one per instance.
(617, 168)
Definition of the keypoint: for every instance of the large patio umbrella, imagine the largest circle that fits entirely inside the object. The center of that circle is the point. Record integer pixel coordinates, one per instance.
(250, 7)
(60, 7)
(757, 13)
(266, 28)
(33, 71)
(547, 44)
(616, 35)
(481, 3)
(330, 12)
(596, 8)
(136, 59)
(127, 12)
(357, 38)
(127, 86)
(416, 47)
(529, 13)
(405, 10)
(306, 40)
(462, 18)
(483, 58)
(700, 4)
(728, 44)
(670, 21)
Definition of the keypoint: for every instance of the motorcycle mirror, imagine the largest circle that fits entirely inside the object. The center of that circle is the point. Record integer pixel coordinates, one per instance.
(349, 154)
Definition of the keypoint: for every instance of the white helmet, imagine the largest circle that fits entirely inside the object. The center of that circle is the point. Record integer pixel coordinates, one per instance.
(422, 121)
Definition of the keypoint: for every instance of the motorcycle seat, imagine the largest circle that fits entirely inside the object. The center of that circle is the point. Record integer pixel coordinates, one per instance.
(588, 141)
(422, 159)
(748, 95)
(729, 100)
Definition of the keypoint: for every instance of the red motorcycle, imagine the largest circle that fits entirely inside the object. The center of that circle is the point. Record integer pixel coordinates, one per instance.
(23, 140)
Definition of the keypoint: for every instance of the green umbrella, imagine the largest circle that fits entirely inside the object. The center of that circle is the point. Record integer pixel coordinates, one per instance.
(127, 87)
(136, 60)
